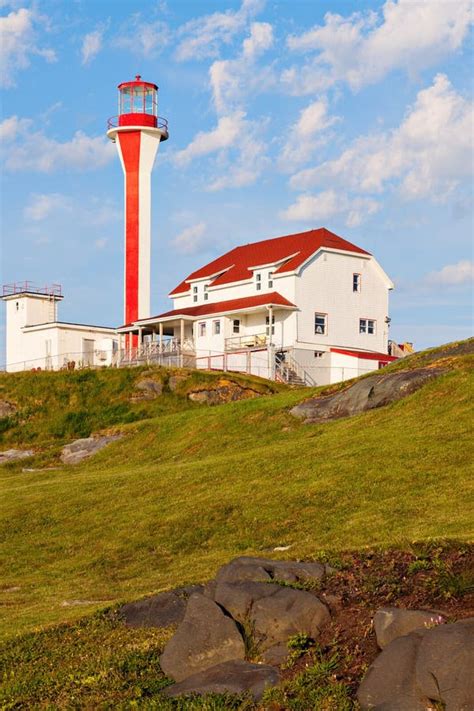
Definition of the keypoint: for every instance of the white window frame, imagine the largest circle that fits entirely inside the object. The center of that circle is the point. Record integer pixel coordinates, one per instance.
(236, 326)
(206, 295)
(195, 293)
(356, 282)
(325, 326)
(318, 354)
(267, 325)
(202, 329)
(270, 280)
(216, 327)
(258, 281)
(365, 324)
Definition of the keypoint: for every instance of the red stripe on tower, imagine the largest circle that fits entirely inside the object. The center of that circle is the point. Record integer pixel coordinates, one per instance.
(130, 149)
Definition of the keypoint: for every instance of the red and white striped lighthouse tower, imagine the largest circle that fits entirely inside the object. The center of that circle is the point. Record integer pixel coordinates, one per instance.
(137, 132)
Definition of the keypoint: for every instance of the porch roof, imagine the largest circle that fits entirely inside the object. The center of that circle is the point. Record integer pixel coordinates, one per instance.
(231, 306)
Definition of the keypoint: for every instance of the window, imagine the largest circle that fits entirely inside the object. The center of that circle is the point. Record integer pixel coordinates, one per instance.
(270, 280)
(195, 293)
(356, 282)
(258, 281)
(318, 354)
(17, 305)
(367, 325)
(267, 325)
(236, 325)
(321, 324)
(217, 327)
(202, 329)
(206, 295)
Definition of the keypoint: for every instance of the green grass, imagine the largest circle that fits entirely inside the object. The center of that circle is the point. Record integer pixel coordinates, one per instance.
(189, 487)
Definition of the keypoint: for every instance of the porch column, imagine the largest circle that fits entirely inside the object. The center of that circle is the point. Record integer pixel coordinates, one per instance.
(160, 326)
(181, 338)
(270, 349)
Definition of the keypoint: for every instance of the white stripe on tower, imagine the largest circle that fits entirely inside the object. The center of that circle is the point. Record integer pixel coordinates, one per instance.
(148, 148)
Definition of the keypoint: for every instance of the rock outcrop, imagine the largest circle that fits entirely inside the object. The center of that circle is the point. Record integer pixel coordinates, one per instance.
(147, 389)
(7, 409)
(366, 394)
(434, 664)
(223, 391)
(84, 448)
(393, 622)
(162, 610)
(11, 455)
(233, 677)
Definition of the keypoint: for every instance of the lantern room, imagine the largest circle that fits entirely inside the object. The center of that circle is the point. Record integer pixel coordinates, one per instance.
(138, 103)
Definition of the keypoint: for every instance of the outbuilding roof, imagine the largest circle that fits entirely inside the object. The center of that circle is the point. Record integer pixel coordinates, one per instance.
(286, 253)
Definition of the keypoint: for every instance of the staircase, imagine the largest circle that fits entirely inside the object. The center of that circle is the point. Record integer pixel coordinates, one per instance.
(290, 372)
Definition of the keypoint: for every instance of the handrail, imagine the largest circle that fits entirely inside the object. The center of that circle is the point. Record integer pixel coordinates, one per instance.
(22, 287)
(251, 341)
(113, 122)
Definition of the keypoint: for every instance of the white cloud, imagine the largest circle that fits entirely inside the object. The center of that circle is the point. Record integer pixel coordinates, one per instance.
(91, 46)
(426, 156)
(192, 239)
(328, 204)
(203, 36)
(452, 274)
(362, 48)
(143, 37)
(28, 150)
(305, 135)
(18, 43)
(233, 79)
(224, 135)
(240, 151)
(42, 205)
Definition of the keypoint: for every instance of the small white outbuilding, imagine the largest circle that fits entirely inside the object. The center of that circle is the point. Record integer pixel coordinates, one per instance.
(37, 340)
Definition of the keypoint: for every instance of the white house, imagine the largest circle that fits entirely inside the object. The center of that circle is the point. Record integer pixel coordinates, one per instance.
(309, 307)
(36, 339)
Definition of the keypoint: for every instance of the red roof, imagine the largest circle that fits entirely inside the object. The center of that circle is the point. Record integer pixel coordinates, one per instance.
(364, 354)
(292, 250)
(231, 305)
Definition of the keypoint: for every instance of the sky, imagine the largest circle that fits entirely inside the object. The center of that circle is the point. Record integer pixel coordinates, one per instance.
(283, 116)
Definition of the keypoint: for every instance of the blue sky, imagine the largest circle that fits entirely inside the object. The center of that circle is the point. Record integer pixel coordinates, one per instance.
(283, 116)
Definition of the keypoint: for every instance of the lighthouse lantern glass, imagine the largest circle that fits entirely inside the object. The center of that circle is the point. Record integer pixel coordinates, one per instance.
(138, 99)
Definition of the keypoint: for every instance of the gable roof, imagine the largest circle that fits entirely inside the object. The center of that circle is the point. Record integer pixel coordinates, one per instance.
(228, 306)
(290, 251)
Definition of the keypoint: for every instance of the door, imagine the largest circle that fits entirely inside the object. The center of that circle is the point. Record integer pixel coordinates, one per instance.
(88, 351)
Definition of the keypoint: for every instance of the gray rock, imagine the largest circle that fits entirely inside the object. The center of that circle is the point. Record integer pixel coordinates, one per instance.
(366, 394)
(233, 677)
(445, 665)
(148, 389)
(239, 598)
(393, 622)
(286, 613)
(7, 409)
(252, 568)
(11, 455)
(276, 655)
(390, 681)
(84, 448)
(205, 637)
(175, 381)
(160, 610)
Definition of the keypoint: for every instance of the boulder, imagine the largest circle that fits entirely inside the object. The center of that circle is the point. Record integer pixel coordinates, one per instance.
(7, 409)
(84, 448)
(238, 598)
(148, 389)
(366, 394)
(223, 391)
(390, 681)
(11, 455)
(233, 677)
(160, 610)
(286, 613)
(175, 381)
(276, 655)
(445, 665)
(252, 568)
(393, 622)
(204, 638)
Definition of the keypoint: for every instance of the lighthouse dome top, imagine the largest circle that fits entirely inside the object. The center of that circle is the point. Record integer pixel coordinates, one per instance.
(137, 82)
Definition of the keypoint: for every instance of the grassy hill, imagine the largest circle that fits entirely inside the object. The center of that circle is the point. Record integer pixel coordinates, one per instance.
(190, 486)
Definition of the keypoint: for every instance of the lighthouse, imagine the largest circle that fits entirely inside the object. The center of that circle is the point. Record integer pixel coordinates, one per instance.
(137, 132)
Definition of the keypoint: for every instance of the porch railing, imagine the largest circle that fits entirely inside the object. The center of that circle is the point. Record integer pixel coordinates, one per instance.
(236, 343)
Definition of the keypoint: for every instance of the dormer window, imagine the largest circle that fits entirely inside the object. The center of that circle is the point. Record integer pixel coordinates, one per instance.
(258, 281)
(195, 293)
